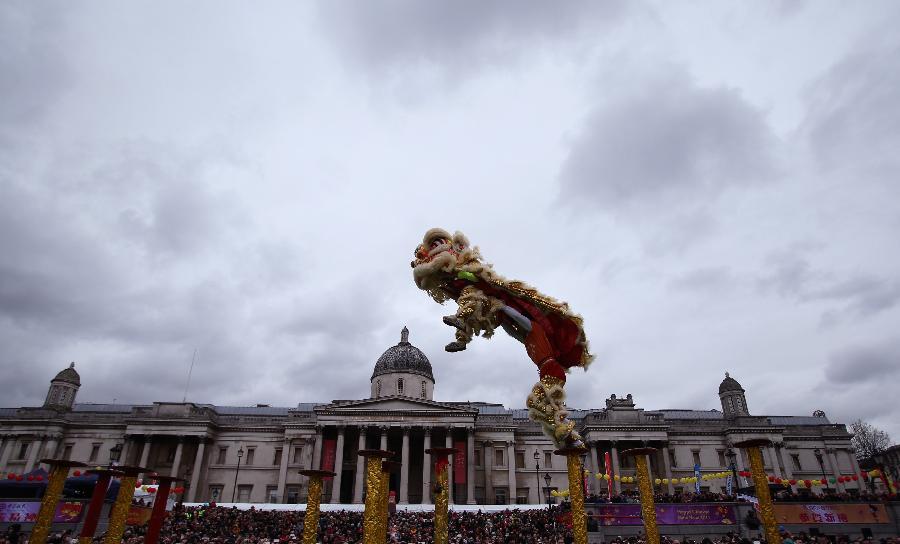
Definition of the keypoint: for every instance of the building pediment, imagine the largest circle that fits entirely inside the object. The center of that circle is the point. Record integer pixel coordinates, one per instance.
(392, 404)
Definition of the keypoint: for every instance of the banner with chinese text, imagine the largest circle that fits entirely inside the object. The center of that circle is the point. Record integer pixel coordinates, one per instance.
(328, 454)
(459, 462)
(26, 512)
(666, 514)
(831, 513)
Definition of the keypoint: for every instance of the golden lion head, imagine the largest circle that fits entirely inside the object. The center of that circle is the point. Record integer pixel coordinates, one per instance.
(438, 256)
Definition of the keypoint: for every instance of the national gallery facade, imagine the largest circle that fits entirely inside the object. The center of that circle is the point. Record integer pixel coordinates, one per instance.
(253, 454)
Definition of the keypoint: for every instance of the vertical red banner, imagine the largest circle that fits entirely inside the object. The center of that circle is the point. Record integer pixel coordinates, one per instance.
(328, 454)
(459, 463)
(609, 478)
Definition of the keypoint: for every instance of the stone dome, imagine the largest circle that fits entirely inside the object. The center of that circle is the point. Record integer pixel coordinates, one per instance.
(69, 375)
(729, 384)
(404, 357)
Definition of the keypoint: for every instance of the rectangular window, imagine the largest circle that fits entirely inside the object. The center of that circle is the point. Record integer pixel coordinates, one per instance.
(477, 457)
(696, 456)
(215, 493)
(298, 455)
(293, 494)
(721, 454)
(251, 453)
(500, 495)
(95, 449)
(67, 452)
(673, 461)
(271, 493)
(548, 459)
(795, 461)
(23, 450)
(221, 458)
(277, 459)
(243, 494)
(498, 459)
(522, 496)
(520, 459)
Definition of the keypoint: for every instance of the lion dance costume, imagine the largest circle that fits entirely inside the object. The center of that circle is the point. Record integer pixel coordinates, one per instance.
(448, 268)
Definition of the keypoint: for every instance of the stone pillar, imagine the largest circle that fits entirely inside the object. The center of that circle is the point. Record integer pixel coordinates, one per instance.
(51, 445)
(595, 469)
(338, 466)
(776, 464)
(176, 464)
(451, 469)
(33, 452)
(786, 461)
(426, 470)
(198, 468)
(835, 468)
(667, 467)
(470, 466)
(360, 468)
(488, 461)
(404, 467)
(9, 443)
(317, 449)
(126, 449)
(614, 454)
(511, 471)
(145, 451)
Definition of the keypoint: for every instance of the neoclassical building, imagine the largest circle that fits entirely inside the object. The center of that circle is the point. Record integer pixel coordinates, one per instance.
(254, 453)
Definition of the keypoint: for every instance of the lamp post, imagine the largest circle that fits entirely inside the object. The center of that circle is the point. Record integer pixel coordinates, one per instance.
(240, 454)
(818, 454)
(537, 476)
(547, 481)
(115, 454)
(732, 458)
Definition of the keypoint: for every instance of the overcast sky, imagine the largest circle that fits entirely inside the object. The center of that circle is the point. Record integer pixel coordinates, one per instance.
(713, 185)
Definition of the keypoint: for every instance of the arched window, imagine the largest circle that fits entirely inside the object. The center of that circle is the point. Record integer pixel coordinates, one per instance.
(377, 388)
(399, 386)
(423, 389)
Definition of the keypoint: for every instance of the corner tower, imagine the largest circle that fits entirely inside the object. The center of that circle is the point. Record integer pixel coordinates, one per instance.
(63, 389)
(403, 370)
(734, 403)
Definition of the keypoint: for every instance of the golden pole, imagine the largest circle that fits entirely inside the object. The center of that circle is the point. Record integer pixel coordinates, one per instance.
(372, 515)
(313, 499)
(648, 507)
(119, 513)
(59, 471)
(384, 495)
(576, 491)
(761, 485)
(441, 492)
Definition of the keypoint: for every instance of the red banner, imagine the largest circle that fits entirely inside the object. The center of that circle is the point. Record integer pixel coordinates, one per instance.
(459, 463)
(328, 454)
(609, 481)
(831, 513)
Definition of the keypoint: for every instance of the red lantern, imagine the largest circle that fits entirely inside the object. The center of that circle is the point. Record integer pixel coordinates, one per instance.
(792, 482)
(137, 485)
(11, 476)
(77, 473)
(865, 475)
(151, 490)
(30, 478)
(19, 478)
(807, 483)
(39, 478)
(854, 477)
(778, 480)
(772, 479)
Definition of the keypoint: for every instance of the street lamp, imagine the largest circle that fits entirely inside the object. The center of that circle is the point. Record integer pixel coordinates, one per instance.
(238, 471)
(732, 459)
(115, 454)
(547, 480)
(537, 476)
(818, 455)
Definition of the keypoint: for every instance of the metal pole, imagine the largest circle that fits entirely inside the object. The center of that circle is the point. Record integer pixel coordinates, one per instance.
(537, 479)
(238, 471)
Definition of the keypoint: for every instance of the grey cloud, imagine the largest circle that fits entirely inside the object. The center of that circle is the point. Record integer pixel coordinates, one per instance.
(853, 122)
(711, 278)
(460, 36)
(667, 140)
(862, 364)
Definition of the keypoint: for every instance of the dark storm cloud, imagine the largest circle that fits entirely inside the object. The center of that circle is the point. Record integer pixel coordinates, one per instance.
(667, 139)
(458, 36)
(863, 364)
(854, 121)
(790, 274)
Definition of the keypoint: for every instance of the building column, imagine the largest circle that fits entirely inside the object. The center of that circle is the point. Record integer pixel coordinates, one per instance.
(776, 464)
(317, 449)
(360, 467)
(176, 464)
(286, 447)
(595, 468)
(198, 468)
(488, 462)
(786, 461)
(36, 445)
(338, 467)
(50, 448)
(451, 469)
(426, 469)
(512, 495)
(384, 437)
(404, 467)
(854, 463)
(145, 451)
(835, 468)
(470, 466)
(8, 446)
(126, 449)
(614, 453)
(667, 466)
